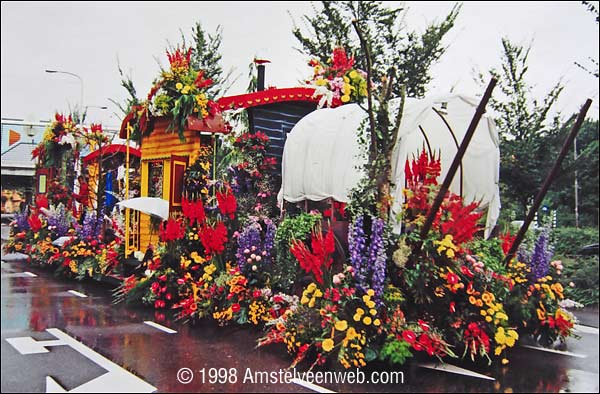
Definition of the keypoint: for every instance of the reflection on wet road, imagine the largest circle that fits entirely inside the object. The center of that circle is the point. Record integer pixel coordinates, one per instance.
(141, 342)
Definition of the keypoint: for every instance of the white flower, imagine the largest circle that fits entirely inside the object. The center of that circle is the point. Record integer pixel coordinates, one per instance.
(68, 139)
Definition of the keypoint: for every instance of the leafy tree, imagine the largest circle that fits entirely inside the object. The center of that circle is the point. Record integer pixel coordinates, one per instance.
(561, 196)
(524, 128)
(396, 63)
(206, 56)
(412, 54)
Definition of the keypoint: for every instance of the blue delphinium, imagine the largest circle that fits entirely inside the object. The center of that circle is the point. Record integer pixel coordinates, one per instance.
(59, 221)
(21, 222)
(269, 240)
(91, 226)
(377, 259)
(542, 254)
(356, 245)
(249, 242)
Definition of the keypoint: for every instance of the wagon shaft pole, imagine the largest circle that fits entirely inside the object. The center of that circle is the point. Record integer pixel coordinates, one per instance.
(548, 181)
(458, 158)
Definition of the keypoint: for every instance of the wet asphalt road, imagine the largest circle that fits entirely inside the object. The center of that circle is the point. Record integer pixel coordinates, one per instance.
(31, 305)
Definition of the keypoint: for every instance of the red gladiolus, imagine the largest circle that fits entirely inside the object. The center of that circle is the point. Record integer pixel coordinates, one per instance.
(35, 223)
(452, 307)
(235, 308)
(507, 241)
(340, 61)
(213, 239)
(172, 231)
(41, 201)
(313, 262)
(466, 271)
(227, 203)
(424, 326)
(202, 83)
(193, 211)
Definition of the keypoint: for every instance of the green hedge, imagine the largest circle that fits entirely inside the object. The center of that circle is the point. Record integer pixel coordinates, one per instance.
(568, 240)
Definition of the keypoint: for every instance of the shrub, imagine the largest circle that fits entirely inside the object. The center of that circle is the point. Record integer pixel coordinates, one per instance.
(568, 240)
(285, 266)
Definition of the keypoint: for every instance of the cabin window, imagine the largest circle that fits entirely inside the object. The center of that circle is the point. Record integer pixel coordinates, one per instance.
(155, 179)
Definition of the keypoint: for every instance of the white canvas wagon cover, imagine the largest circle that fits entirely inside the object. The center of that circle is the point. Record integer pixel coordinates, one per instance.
(321, 157)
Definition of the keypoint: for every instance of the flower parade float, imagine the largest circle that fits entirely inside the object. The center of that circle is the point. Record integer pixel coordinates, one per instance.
(228, 253)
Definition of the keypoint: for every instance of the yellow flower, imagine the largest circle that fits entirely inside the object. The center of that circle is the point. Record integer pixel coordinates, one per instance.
(370, 304)
(376, 322)
(373, 312)
(498, 350)
(341, 325)
(311, 303)
(488, 319)
(321, 82)
(178, 85)
(304, 300)
(353, 74)
(345, 98)
(327, 344)
(356, 317)
(370, 292)
(367, 320)
(504, 361)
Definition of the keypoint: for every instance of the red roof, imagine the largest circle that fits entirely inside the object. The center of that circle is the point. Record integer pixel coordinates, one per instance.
(111, 149)
(268, 96)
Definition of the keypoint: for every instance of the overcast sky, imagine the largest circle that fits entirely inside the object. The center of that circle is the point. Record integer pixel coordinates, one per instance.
(88, 38)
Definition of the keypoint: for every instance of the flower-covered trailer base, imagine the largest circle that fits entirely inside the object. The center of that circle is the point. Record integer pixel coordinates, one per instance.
(329, 300)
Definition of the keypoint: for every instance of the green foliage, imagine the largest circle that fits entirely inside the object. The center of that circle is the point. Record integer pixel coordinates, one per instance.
(285, 266)
(561, 196)
(568, 240)
(206, 56)
(412, 54)
(582, 272)
(397, 352)
(489, 252)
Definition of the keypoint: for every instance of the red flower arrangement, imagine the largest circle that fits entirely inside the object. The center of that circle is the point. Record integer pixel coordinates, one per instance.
(193, 211)
(314, 262)
(227, 202)
(213, 238)
(172, 231)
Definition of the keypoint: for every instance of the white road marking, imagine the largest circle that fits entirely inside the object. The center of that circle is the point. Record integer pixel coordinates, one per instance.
(78, 294)
(52, 386)
(30, 274)
(453, 369)
(28, 345)
(311, 386)
(116, 380)
(19, 275)
(586, 329)
(158, 326)
(582, 381)
(543, 349)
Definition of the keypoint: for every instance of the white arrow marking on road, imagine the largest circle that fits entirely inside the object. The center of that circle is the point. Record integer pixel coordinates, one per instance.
(52, 386)
(453, 369)
(116, 380)
(78, 294)
(158, 326)
(543, 349)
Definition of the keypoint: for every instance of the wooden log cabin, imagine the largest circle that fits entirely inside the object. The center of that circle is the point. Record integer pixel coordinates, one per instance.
(164, 157)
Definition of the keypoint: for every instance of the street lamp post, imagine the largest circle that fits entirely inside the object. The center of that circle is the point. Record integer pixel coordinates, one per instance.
(80, 81)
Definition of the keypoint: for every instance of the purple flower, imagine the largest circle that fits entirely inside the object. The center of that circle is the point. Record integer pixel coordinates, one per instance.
(542, 254)
(356, 247)
(60, 220)
(21, 222)
(377, 259)
(91, 226)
